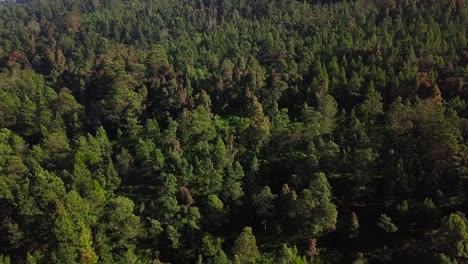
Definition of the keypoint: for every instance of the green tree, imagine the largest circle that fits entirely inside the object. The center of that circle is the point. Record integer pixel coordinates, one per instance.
(245, 247)
(454, 236)
(313, 211)
(118, 231)
(124, 100)
(4, 259)
(386, 224)
(212, 252)
(263, 201)
(289, 255)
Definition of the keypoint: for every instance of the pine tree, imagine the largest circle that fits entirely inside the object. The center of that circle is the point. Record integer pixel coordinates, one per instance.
(263, 201)
(245, 247)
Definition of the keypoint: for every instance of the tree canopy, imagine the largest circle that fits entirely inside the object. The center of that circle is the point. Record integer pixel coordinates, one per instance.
(230, 131)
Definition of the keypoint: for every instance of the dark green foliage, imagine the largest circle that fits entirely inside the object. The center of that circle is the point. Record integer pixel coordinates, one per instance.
(154, 131)
(313, 212)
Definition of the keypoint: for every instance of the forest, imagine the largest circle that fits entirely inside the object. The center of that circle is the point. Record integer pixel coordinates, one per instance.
(233, 131)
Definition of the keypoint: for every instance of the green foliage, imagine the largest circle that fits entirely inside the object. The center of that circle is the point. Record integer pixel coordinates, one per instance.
(386, 224)
(4, 259)
(313, 211)
(212, 252)
(119, 225)
(152, 131)
(454, 236)
(442, 259)
(263, 201)
(289, 255)
(245, 247)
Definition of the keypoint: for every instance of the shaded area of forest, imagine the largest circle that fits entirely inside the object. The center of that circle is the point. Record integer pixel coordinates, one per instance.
(180, 131)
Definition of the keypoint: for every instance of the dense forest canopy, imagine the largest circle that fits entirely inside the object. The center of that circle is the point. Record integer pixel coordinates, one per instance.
(233, 131)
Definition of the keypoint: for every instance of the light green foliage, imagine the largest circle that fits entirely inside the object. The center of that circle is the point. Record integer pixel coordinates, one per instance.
(4, 259)
(197, 126)
(173, 236)
(124, 99)
(214, 212)
(454, 236)
(442, 259)
(260, 125)
(327, 107)
(245, 247)
(386, 224)
(289, 255)
(73, 227)
(212, 252)
(30, 259)
(215, 203)
(372, 107)
(156, 59)
(81, 175)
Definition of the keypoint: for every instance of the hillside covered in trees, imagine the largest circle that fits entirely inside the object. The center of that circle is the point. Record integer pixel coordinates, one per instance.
(233, 131)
